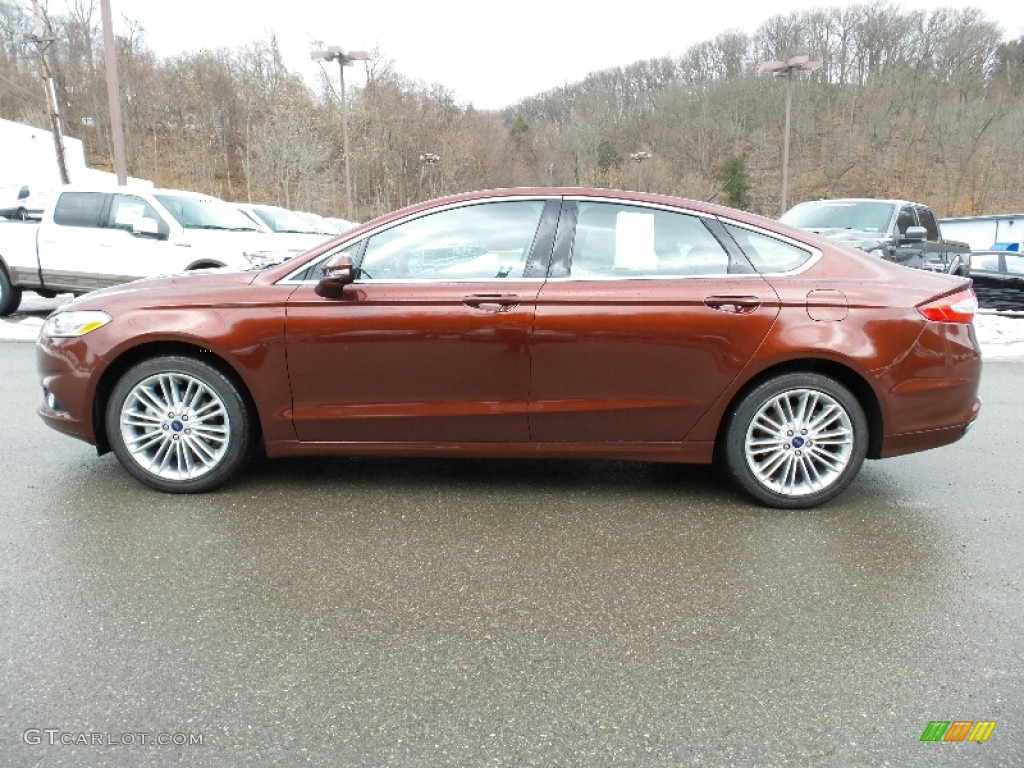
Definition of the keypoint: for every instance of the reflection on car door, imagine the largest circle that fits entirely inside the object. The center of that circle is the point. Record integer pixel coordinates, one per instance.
(432, 342)
(647, 328)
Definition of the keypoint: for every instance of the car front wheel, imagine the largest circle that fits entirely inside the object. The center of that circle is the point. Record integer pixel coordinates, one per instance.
(179, 425)
(796, 440)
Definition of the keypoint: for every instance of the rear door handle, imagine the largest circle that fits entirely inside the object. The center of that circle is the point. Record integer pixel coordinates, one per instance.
(736, 305)
(491, 302)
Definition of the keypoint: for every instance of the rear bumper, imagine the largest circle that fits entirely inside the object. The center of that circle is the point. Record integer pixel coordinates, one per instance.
(931, 392)
(912, 442)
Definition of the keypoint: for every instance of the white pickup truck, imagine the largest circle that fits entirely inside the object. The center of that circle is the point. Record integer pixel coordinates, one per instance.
(92, 238)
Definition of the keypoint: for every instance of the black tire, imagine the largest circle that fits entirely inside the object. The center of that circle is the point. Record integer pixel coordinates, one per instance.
(22, 214)
(10, 295)
(201, 436)
(795, 441)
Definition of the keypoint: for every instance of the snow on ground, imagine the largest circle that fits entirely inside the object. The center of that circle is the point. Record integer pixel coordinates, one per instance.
(1001, 334)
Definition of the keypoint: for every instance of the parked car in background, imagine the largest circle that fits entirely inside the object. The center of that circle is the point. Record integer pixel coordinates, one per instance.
(294, 233)
(94, 237)
(19, 201)
(896, 230)
(999, 279)
(319, 223)
(562, 323)
(343, 225)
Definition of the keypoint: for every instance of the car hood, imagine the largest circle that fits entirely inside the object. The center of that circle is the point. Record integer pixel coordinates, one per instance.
(195, 287)
(863, 239)
(294, 243)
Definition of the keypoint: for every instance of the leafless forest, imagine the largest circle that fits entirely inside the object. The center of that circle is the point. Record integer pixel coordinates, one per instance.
(915, 104)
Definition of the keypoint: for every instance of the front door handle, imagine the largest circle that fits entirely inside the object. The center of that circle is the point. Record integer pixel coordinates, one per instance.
(736, 305)
(491, 302)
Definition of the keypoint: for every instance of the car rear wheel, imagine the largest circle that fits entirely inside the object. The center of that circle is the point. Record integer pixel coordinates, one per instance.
(796, 440)
(179, 425)
(10, 295)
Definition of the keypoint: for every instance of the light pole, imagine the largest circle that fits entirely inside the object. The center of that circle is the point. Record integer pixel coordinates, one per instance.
(429, 159)
(639, 157)
(786, 69)
(334, 53)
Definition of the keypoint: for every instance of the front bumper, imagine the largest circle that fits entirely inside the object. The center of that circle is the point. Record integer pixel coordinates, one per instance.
(69, 372)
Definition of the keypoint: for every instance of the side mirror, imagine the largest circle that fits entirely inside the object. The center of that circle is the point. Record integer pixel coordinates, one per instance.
(915, 235)
(338, 272)
(146, 227)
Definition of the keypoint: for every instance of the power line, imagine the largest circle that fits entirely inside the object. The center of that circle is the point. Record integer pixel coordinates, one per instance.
(31, 96)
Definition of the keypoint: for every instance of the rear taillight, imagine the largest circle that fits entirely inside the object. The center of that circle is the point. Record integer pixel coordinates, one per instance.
(958, 307)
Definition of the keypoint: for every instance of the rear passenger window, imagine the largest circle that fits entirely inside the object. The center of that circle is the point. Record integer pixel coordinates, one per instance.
(905, 220)
(767, 254)
(614, 240)
(928, 222)
(79, 209)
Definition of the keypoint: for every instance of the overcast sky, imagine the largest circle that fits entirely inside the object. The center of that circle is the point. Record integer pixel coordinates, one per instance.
(488, 53)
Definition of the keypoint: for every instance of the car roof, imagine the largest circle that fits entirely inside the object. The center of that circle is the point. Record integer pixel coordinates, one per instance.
(183, 193)
(596, 193)
(891, 201)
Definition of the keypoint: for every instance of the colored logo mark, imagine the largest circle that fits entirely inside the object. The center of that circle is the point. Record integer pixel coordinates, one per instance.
(959, 730)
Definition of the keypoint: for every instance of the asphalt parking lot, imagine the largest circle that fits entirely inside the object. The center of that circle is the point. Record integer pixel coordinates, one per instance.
(467, 613)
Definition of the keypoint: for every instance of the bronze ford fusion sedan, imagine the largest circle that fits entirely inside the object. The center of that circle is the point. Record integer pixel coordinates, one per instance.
(566, 323)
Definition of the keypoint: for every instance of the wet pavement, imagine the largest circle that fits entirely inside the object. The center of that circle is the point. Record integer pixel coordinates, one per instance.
(469, 613)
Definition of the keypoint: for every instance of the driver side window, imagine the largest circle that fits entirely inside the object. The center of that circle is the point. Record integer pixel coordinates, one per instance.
(126, 210)
(481, 241)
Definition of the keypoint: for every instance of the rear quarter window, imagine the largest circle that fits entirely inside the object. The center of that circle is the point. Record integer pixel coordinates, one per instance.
(768, 254)
(79, 209)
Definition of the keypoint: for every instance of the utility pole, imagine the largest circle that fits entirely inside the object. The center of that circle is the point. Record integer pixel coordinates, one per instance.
(113, 94)
(42, 43)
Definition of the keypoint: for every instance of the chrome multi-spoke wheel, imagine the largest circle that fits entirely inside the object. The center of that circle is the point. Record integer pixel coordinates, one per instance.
(178, 424)
(175, 427)
(796, 441)
(799, 442)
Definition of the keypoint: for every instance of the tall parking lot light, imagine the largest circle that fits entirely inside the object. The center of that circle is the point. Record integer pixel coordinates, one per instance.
(429, 160)
(639, 157)
(786, 69)
(334, 53)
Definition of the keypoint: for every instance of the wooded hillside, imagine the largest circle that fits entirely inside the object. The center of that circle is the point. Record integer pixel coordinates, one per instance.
(925, 105)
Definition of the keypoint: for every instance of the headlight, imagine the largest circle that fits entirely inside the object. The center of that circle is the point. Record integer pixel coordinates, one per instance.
(74, 323)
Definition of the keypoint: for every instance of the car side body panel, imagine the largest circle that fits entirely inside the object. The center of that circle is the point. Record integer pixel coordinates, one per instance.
(644, 369)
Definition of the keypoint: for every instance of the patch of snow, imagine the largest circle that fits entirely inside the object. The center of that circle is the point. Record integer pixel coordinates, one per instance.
(1000, 334)
(23, 329)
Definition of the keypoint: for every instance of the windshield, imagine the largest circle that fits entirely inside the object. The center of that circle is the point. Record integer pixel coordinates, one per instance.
(837, 214)
(205, 213)
(283, 220)
(319, 223)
